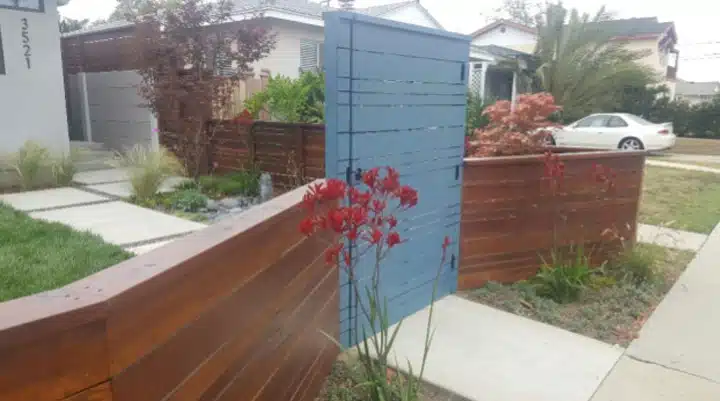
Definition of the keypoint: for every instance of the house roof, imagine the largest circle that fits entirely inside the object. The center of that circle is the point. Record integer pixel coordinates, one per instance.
(105, 27)
(490, 27)
(635, 27)
(504, 52)
(687, 88)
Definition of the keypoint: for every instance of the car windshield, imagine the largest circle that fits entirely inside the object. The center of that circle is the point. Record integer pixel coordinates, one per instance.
(637, 119)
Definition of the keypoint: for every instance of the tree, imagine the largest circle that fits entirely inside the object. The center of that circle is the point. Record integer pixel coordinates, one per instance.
(523, 12)
(71, 25)
(581, 66)
(190, 56)
(346, 4)
(128, 10)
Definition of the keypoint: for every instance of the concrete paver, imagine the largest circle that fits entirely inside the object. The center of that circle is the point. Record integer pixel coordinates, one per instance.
(683, 331)
(681, 166)
(632, 380)
(482, 353)
(141, 249)
(50, 198)
(101, 176)
(124, 190)
(670, 238)
(121, 223)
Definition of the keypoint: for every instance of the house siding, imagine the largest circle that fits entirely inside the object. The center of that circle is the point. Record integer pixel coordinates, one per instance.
(32, 100)
(512, 38)
(411, 15)
(285, 58)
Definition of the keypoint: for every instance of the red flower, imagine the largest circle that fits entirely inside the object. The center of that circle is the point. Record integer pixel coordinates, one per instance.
(334, 189)
(332, 253)
(359, 216)
(378, 205)
(307, 226)
(346, 256)
(391, 182)
(446, 243)
(352, 235)
(393, 239)
(376, 236)
(370, 177)
(336, 219)
(392, 221)
(408, 196)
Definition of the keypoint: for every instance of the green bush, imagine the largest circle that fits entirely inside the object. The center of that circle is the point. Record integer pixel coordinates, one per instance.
(28, 162)
(63, 168)
(189, 200)
(474, 118)
(634, 265)
(291, 100)
(148, 169)
(246, 183)
(565, 278)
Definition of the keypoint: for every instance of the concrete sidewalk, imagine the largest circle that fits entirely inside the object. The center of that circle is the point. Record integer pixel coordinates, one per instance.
(681, 166)
(670, 238)
(482, 353)
(676, 355)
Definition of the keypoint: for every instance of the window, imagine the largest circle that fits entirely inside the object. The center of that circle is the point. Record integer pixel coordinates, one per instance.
(25, 5)
(616, 122)
(311, 55)
(592, 121)
(2, 55)
(637, 120)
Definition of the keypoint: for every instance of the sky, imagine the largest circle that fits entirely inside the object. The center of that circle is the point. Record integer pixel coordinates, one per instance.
(695, 21)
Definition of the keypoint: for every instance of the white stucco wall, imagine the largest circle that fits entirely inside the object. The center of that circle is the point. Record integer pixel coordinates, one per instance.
(512, 38)
(32, 100)
(285, 58)
(410, 15)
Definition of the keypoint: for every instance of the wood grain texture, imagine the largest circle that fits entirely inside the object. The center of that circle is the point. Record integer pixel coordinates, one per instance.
(234, 312)
(510, 219)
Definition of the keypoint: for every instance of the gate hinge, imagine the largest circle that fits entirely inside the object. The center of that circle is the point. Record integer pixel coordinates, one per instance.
(349, 175)
(457, 172)
(452, 262)
(462, 72)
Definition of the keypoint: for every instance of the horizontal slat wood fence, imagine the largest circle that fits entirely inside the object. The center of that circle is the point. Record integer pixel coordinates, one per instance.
(508, 213)
(234, 312)
(294, 154)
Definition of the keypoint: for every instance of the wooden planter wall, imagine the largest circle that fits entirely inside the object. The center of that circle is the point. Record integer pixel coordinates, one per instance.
(213, 316)
(509, 214)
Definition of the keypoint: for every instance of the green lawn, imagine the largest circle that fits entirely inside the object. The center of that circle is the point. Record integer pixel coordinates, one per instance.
(37, 256)
(613, 313)
(681, 199)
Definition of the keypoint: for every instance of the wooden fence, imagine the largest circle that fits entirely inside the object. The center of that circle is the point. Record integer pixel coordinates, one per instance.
(509, 214)
(233, 312)
(294, 154)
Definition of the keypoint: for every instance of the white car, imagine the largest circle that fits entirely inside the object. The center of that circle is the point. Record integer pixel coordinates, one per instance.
(615, 131)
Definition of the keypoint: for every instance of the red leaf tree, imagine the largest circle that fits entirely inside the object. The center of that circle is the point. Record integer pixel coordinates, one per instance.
(190, 55)
(522, 130)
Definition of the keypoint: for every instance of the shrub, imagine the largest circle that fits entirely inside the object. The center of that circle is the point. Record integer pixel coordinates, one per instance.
(519, 130)
(634, 265)
(189, 200)
(564, 279)
(475, 118)
(291, 100)
(245, 183)
(148, 169)
(63, 168)
(28, 162)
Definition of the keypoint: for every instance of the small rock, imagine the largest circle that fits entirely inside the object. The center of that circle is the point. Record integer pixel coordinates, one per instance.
(212, 205)
(229, 203)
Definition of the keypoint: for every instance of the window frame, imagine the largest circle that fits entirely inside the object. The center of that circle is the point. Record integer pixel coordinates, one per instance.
(617, 126)
(40, 9)
(591, 118)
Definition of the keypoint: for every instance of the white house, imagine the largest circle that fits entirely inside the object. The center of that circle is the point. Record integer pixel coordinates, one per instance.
(32, 95)
(298, 25)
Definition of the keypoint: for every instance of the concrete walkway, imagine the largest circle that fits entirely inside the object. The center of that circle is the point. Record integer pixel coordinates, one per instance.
(691, 167)
(95, 206)
(669, 238)
(482, 353)
(676, 355)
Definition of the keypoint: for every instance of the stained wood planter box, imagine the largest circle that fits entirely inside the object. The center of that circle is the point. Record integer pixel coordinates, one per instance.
(509, 216)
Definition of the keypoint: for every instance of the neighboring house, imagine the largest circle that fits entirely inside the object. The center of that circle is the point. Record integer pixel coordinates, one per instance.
(32, 97)
(299, 28)
(696, 92)
(656, 38)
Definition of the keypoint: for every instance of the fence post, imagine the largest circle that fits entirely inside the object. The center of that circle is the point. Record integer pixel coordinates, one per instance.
(251, 144)
(300, 153)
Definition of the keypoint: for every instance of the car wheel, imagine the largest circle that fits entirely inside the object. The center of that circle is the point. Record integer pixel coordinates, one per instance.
(631, 144)
(548, 140)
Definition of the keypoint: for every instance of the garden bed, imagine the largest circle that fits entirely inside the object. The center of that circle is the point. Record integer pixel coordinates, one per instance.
(681, 199)
(612, 307)
(37, 256)
(511, 220)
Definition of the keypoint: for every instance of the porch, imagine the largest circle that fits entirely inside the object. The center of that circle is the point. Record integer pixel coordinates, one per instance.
(496, 72)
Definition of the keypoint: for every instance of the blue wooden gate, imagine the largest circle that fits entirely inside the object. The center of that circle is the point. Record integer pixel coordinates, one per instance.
(396, 96)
